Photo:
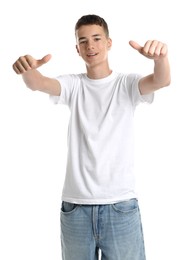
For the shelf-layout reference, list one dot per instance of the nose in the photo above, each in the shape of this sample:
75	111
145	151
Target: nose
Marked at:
90	45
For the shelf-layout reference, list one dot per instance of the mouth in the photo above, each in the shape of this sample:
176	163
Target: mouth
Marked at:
92	54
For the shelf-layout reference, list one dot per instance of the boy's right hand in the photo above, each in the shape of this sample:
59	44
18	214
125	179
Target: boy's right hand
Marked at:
27	62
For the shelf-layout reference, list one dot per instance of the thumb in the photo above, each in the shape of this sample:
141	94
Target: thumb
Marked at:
44	60
135	46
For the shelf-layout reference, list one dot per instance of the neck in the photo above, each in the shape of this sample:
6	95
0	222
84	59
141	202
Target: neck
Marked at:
98	72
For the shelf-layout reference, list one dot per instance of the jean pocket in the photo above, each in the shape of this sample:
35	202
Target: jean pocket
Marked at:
68	208
130	206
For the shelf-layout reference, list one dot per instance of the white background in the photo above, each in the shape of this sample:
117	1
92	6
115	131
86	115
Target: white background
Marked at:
33	131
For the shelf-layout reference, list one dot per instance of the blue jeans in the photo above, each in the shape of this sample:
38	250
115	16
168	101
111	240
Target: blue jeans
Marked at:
114	229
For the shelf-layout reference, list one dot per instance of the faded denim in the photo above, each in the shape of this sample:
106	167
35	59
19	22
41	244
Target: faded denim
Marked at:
115	230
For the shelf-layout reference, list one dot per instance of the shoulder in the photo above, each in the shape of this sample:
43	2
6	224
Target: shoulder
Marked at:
128	76
70	81
70	77
128	79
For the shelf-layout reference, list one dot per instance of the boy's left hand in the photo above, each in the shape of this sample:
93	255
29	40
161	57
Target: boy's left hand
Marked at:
152	49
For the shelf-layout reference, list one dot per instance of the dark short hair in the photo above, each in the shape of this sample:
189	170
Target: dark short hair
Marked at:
91	19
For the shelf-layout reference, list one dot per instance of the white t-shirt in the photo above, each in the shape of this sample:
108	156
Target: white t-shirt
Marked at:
100	165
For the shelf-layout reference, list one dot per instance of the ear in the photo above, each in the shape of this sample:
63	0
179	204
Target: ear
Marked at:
109	43
77	48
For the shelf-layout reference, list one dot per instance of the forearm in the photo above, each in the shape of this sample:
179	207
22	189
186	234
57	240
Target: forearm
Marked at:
33	79
161	76
36	81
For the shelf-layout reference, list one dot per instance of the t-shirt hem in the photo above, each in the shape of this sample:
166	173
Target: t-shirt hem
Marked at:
98	201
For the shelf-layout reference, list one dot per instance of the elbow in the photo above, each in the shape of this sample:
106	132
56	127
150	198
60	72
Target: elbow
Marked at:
32	87
167	83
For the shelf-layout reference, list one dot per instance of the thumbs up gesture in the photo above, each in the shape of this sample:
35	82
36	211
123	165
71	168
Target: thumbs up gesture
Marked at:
27	62
152	49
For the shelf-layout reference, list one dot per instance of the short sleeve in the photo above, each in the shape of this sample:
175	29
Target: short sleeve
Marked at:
68	85
136	97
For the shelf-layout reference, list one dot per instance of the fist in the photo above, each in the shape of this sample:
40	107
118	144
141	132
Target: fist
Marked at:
27	62
152	49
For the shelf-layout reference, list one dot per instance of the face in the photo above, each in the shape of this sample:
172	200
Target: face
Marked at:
92	44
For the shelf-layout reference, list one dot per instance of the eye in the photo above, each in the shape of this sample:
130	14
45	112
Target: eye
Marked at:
97	39
83	42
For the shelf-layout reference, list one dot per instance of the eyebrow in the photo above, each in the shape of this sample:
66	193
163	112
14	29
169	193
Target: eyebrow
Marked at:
94	35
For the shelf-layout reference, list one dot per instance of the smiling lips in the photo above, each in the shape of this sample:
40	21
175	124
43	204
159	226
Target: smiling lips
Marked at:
91	54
